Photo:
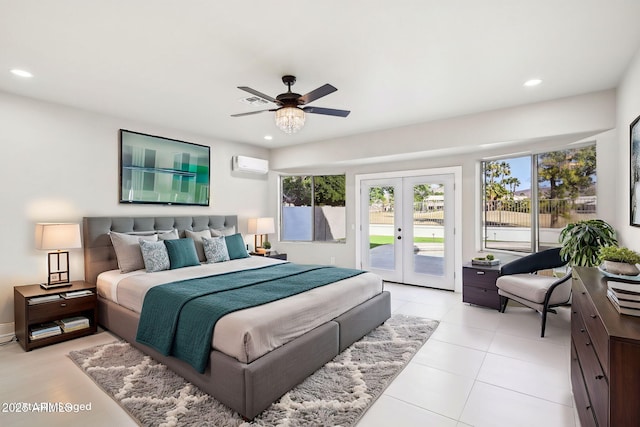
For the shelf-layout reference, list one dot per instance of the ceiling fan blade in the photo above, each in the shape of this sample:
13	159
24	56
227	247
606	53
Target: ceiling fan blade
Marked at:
249	113
317	93
260	94
326	111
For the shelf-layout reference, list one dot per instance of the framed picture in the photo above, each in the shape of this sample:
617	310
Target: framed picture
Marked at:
635	171
163	171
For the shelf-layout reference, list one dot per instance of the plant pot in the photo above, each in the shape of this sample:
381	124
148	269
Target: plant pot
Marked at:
622	268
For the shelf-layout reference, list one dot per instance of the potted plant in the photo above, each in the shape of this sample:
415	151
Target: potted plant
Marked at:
266	244
620	260
581	241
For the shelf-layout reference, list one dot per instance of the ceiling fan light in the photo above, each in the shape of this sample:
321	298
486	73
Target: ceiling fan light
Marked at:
290	119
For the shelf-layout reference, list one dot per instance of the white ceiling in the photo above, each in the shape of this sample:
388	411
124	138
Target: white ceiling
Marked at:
178	63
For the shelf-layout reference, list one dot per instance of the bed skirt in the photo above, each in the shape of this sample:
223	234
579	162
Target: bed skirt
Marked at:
249	388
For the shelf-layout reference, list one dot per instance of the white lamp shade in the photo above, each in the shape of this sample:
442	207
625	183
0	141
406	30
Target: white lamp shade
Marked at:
261	226
57	236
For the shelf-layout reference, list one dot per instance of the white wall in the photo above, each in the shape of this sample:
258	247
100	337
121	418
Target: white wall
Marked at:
628	110
60	164
453	142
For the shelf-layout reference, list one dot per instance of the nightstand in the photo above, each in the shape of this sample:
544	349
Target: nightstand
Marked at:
34	307
479	285
271	255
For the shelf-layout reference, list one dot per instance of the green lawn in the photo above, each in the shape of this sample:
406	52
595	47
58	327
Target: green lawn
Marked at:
387	240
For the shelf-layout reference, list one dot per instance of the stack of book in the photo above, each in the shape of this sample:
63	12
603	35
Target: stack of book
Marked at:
624	296
44	330
73	323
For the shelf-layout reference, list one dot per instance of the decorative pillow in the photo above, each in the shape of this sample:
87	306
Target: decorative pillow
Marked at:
197	238
182	253
155	255
168	235
236	246
215	249
128	251
228	231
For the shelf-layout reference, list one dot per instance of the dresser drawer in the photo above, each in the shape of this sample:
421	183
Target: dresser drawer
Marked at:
583	405
43	312
481	296
593	323
483	278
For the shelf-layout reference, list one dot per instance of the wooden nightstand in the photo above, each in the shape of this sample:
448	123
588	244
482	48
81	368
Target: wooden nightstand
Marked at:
271	255
29	313
479	285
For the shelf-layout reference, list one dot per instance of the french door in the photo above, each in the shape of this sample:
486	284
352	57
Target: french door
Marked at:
407	229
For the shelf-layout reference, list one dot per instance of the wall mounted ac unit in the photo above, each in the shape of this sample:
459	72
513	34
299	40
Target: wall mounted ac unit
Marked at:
250	165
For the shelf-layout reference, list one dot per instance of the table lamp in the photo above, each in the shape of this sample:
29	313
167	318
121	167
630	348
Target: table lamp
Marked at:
57	237
260	227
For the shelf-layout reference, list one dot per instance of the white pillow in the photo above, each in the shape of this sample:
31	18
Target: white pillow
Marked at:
197	238
168	235
128	251
228	231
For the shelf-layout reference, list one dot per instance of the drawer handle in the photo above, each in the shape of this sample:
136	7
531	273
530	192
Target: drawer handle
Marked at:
480	273
593	316
582	330
588	344
63	304
599	377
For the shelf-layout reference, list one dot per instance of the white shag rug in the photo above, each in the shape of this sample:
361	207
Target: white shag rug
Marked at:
338	394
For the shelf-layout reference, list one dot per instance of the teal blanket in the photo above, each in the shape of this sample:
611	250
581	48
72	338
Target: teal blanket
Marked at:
178	318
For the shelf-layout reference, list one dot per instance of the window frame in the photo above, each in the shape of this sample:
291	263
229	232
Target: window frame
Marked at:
534	197
281	177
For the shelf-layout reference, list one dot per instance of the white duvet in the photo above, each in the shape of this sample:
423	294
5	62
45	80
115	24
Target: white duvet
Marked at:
248	334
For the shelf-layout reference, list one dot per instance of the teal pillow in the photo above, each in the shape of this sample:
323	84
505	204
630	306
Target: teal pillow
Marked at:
236	246
182	253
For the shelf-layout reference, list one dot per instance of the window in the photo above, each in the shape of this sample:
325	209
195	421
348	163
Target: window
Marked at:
313	208
522	217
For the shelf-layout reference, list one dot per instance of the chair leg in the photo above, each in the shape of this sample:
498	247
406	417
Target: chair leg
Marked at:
503	303
544	322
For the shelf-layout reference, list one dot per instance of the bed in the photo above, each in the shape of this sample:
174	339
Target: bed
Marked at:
243	371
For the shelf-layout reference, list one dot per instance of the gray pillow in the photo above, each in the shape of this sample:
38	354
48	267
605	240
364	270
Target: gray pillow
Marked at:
215	249
197	238
155	256
128	251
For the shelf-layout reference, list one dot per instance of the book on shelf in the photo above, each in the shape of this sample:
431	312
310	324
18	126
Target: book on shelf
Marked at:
73	323
43	299
76	294
44	330
621	308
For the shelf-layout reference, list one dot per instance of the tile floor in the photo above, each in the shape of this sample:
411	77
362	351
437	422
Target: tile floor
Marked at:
480	368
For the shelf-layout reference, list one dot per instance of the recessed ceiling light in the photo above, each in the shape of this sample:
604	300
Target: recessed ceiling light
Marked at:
21	73
532	82
268	137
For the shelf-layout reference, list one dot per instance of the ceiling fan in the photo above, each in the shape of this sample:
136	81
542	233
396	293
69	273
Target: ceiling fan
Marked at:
290	116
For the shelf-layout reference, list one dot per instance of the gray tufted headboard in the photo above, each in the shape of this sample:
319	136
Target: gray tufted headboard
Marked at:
99	255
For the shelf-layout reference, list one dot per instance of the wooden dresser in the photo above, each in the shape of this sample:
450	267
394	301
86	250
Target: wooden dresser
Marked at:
605	355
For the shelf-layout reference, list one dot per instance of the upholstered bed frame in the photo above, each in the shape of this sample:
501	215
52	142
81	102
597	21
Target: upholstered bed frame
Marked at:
246	388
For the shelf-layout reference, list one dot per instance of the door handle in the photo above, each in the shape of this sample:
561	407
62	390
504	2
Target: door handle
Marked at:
399	237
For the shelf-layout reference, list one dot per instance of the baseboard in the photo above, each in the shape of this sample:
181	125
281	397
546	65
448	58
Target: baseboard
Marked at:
7	332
